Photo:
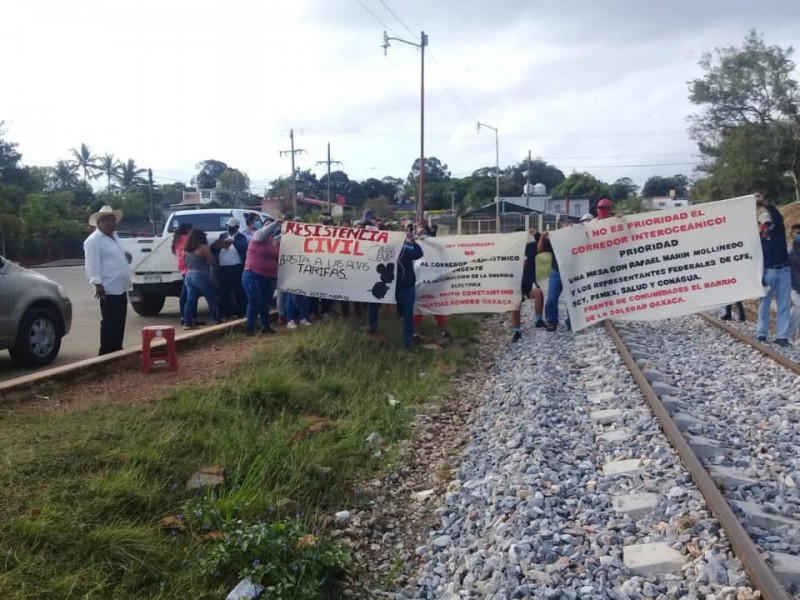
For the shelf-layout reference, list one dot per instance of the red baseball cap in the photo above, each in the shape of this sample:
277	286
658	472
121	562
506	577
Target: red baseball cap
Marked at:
604	203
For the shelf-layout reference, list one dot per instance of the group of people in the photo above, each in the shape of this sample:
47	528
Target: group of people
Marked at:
245	263
247	266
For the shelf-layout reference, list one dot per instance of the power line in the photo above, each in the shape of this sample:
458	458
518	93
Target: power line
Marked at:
374	16
398	19
450	90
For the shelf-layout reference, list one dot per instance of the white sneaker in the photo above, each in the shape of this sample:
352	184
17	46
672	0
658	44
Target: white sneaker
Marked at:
291	325
305	323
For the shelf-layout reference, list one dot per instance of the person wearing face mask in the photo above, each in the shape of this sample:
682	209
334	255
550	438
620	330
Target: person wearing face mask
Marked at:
794	266
603	209
230	250
777	277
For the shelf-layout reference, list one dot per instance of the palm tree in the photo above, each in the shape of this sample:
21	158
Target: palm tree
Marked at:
86	161
64	175
109	167
129	174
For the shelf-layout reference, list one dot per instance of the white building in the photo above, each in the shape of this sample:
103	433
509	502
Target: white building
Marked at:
665	202
534	197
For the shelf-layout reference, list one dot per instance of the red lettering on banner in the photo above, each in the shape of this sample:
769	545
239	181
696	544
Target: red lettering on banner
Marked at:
313	245
345	233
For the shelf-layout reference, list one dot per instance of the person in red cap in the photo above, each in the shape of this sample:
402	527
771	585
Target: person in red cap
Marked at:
603	209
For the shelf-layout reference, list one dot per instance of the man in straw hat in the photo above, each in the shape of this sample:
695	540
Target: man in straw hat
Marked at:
107	267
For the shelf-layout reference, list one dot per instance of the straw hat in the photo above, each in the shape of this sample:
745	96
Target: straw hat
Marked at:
104	212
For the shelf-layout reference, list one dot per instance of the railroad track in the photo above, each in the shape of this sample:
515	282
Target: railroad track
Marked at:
678	404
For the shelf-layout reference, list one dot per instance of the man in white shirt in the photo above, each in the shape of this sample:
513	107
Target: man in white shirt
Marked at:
108	270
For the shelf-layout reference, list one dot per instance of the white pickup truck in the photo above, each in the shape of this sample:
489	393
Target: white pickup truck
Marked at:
155	268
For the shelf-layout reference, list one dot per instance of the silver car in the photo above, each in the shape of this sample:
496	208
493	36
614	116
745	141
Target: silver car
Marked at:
35	313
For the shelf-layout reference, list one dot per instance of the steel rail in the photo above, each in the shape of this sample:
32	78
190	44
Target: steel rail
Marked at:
763	348
743	546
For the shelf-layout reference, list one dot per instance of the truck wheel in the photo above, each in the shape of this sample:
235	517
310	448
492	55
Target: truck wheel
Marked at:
149	306
38	339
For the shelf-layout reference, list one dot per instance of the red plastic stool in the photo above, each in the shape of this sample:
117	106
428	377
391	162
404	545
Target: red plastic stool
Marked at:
166	356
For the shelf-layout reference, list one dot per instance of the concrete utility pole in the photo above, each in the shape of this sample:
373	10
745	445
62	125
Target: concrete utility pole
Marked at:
497	170
292	152
423	41
453	202
152	205
329	162
528	181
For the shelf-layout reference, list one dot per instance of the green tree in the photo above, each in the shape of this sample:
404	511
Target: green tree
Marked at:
209	172
662	186
85	161
538	171
64	176
582	185
130	175
750	111
235	184
110	167
622	189
435	171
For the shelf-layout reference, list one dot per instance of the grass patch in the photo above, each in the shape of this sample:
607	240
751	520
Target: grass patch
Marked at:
93	503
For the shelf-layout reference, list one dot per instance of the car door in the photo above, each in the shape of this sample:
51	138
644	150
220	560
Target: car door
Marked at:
7	295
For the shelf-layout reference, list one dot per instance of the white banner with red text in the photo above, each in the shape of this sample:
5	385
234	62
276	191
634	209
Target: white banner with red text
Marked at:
660	264
470	273
339	263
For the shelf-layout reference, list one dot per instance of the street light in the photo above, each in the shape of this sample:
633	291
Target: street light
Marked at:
423	41
497	170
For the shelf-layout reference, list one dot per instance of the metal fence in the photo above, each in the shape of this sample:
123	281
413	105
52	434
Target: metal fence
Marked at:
509	222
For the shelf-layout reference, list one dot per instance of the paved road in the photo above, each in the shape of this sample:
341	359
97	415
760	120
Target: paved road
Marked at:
83	340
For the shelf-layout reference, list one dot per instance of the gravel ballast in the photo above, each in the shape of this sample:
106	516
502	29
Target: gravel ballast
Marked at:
531	512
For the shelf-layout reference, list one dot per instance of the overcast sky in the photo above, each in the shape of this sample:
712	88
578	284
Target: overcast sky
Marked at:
587	85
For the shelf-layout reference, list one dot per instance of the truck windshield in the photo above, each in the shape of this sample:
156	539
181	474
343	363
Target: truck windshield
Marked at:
204	221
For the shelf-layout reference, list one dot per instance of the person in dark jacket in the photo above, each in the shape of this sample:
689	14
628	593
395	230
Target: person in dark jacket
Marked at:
777	277
230	250
406	281
530	288
794	267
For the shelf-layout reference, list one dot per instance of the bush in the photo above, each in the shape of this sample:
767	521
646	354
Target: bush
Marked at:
282	556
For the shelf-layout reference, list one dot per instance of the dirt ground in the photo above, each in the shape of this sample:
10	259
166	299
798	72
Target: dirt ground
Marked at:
128	385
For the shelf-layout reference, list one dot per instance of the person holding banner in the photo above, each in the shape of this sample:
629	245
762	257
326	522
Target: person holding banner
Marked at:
794	266
261	275
406	282
554	284
530	289
777	276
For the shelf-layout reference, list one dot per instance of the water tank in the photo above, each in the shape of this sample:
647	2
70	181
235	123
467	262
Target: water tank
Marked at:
540	189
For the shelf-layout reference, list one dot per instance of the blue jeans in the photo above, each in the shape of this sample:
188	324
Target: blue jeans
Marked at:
198	283
295	303
779	282
554	289
259	291
405	306
182	300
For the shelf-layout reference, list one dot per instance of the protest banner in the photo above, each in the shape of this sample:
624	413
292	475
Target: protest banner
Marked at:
470	273
339	263
660	264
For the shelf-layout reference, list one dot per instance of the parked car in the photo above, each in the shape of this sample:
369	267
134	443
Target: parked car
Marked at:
155	268
35	313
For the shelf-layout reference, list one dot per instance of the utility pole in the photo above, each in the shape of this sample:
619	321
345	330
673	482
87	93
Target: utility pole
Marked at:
528	181
453	202
423	41
152	205
329	162
497	170
292	152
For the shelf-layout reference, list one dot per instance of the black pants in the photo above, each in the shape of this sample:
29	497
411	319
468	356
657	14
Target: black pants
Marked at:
114	309
739	309
232	299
